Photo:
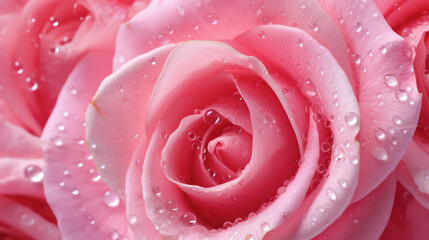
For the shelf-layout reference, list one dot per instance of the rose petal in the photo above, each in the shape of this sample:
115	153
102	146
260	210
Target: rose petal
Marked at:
117	111
405	178
27	221
223	19
388	96
83	205
408	219
397	10
366	218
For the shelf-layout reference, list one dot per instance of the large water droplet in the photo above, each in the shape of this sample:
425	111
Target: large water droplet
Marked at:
110	199
314	27
265	227
211	117
401	95
212	19
171	205
189	218
380	134
379	153
391	80
309	88
152	60
330	193
31	84
262	35
342	183
33	173
156	190
396	120
351	119
58	142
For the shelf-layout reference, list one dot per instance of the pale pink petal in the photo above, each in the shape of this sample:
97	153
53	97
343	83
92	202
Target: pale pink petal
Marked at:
84	206
182	20
139	222
116	115
387	93
409	219
26	221
366	218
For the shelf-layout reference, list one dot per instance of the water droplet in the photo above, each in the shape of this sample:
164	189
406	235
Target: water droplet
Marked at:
180	10
27	220
321	168
401	95
17	67
211	117
261	35
342	183
212	19
227	224
265	227
54	21
211	172
301	5
357	27
75	191
380	134
114	235
93	145
309	88
163	134
61	127
356	59
31	84
382	50
152	60
132	219
325	146
379	153
156	190
162	39
171	205
407	33
255	9
317	118
110	199
396	120
33	173
351	119
397	6
314	27
330	193
189	219
58	142
163	163
300	43
192	136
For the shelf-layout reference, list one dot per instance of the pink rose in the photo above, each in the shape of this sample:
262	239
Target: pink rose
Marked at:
41	42
410	19
247	131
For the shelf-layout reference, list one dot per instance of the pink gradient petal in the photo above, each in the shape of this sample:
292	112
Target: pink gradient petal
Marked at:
21	158
417	160
139	222
83	205
118	111
387	94
409	219
366	218
12	92
406	179
395	11
26	221
183	20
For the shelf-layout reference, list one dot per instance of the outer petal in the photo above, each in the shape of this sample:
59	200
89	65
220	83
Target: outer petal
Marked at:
83	205
26	221
366	218
396	11
175	21
118	112
387	94
406	179
409	219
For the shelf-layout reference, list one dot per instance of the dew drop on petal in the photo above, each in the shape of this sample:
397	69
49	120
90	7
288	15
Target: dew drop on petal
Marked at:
401	95
27	220
342	183
211	117
330	193
189	218
314	27
309	88
171	205
33	173
351	119
391	80
262	35
396	120
110	199
380	134
379	153
265	227
212	19
156	190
